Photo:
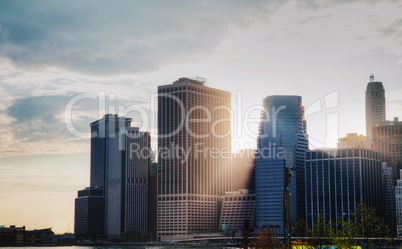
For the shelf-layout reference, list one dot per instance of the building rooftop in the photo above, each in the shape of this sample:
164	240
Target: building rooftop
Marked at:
197	80
393	122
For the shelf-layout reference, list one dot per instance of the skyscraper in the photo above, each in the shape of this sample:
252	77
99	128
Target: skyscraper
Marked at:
153	200
375	107
398	200
193	131
282	143
91	204
127	178
101	131
388	197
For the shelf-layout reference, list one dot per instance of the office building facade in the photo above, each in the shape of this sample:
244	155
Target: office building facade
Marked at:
388	196
398	201
387	138
153	200
101	131
352	140
375	107
237	207
117	200
282	143
127	176
193	119
89	214
336	181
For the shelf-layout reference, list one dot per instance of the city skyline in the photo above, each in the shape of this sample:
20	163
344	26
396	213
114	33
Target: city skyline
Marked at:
260	49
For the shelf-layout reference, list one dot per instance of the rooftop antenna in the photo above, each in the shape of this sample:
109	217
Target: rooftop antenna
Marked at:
371	77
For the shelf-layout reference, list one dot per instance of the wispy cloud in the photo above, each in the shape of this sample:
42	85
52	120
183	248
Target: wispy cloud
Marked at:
394	29
323	4
308	19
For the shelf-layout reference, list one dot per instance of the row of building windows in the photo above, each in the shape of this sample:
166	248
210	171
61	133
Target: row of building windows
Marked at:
343	154
194	89
190	198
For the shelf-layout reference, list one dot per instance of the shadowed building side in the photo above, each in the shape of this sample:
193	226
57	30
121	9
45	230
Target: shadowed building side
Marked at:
243	170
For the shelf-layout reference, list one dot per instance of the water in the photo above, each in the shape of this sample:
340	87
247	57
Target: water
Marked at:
118	247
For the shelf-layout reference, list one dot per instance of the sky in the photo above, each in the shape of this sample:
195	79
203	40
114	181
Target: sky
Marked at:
64	63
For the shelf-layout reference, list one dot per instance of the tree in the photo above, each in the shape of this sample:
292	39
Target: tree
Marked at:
360	229
319	232
369	225
266	239
301	228
301	232
344	234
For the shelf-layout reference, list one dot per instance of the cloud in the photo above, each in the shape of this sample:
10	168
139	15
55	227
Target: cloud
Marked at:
102	37
41	118
393	29
323	4
394	97
306	20
37	118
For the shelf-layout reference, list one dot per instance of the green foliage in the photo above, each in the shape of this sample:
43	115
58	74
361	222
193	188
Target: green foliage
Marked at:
321	232
345	235
369	225
359	231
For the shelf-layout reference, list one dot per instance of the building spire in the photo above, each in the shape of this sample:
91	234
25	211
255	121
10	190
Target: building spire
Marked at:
371	77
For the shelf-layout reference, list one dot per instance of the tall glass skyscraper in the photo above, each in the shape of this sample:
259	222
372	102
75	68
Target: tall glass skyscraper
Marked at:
282	143
117	201
127	188
101	131
91	204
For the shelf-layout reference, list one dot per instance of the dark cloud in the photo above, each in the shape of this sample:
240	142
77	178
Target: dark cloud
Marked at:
42	118
103	37
107	38
36	118
306	20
